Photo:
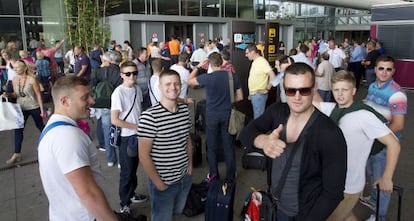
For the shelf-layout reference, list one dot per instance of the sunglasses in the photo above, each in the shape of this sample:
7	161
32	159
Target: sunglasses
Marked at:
304	91
135	73
384	68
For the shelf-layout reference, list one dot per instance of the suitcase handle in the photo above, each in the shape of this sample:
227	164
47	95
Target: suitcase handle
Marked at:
400	191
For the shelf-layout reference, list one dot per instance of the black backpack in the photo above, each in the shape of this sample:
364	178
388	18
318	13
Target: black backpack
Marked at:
102	92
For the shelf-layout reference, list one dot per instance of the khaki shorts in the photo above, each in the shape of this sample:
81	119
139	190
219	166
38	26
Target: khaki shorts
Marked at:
344	209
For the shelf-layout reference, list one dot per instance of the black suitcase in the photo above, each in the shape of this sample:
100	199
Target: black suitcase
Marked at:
400	192
200	115
197	155
220	200
197	146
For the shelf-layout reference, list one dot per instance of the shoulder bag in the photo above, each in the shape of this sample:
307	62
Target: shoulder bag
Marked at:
115	131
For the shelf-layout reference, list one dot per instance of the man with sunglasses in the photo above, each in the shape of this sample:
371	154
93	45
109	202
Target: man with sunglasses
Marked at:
125	112
389	99
314	184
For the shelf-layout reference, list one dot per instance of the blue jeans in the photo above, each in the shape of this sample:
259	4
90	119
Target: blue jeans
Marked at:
128	177
100	133
258	103
375	169
370	76
18	133
217	125
110	151
165	204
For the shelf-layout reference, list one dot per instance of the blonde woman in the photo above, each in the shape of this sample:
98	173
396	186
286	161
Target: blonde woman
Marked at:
26	90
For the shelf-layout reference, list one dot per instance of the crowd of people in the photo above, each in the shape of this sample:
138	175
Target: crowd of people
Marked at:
149	102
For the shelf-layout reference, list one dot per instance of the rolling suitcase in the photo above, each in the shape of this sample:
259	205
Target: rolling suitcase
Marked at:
400	192
197	147
220	200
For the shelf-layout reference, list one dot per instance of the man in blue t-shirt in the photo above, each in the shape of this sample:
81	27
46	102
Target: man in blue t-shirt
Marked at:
82	64
218	108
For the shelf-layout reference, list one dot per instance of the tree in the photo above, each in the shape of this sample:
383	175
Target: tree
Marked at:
84	23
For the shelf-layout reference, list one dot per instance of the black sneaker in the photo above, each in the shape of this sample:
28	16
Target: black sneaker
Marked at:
139	198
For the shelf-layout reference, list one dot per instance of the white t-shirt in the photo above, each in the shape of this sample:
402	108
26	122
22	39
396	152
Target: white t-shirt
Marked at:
198	55
71	57
10	72
327	70
122	99
184	74
62	150
155	93
360	128
336	57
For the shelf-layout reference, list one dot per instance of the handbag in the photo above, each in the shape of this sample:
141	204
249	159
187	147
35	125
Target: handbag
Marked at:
11	115
237	118
115	131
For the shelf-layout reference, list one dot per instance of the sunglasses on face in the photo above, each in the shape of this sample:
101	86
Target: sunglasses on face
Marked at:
135	73
385	68
304	91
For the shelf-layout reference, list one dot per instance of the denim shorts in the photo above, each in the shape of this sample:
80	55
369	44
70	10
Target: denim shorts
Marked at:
165	204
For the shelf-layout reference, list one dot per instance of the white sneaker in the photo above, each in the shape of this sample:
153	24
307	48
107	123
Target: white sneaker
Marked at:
110	164
125	209
119	166
367	201
371	218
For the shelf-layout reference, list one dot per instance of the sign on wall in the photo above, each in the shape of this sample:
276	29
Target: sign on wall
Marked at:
272	41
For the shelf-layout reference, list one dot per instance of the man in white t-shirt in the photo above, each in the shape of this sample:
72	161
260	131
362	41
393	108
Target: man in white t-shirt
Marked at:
68	162
125	111
360	125
180	67
336	55
155	93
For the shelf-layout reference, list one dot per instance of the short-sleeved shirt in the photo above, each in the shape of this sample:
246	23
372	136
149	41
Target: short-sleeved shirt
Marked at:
388	100
184	74
169	132
360	128
336	57
217	90
81	61
122	99
258	77
155	93
372	57
327	70
63	150
42	67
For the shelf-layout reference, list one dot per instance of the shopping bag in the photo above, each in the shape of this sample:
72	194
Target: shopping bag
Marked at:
11	116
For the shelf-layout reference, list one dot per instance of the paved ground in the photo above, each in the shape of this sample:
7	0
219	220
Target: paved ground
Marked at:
22	197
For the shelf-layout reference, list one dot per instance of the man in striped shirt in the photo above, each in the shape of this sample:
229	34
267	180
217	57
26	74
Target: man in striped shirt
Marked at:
165	149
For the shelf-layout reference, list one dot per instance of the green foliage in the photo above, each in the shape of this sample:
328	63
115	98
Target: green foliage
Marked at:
84	23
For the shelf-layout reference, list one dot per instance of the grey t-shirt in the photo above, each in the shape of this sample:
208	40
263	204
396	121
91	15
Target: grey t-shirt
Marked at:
289	201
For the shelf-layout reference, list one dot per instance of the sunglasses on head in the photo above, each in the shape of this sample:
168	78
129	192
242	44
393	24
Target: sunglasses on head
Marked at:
135	73
385	68
304	91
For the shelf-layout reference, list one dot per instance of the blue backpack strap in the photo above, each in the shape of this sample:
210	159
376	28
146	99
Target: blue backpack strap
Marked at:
51	126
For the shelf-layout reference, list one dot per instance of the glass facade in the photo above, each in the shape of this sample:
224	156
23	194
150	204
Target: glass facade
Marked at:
23	20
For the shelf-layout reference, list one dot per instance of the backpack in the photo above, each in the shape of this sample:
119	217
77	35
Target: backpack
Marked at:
102	92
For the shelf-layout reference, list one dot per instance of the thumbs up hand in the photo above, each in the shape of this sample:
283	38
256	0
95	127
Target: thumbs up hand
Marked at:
273	146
